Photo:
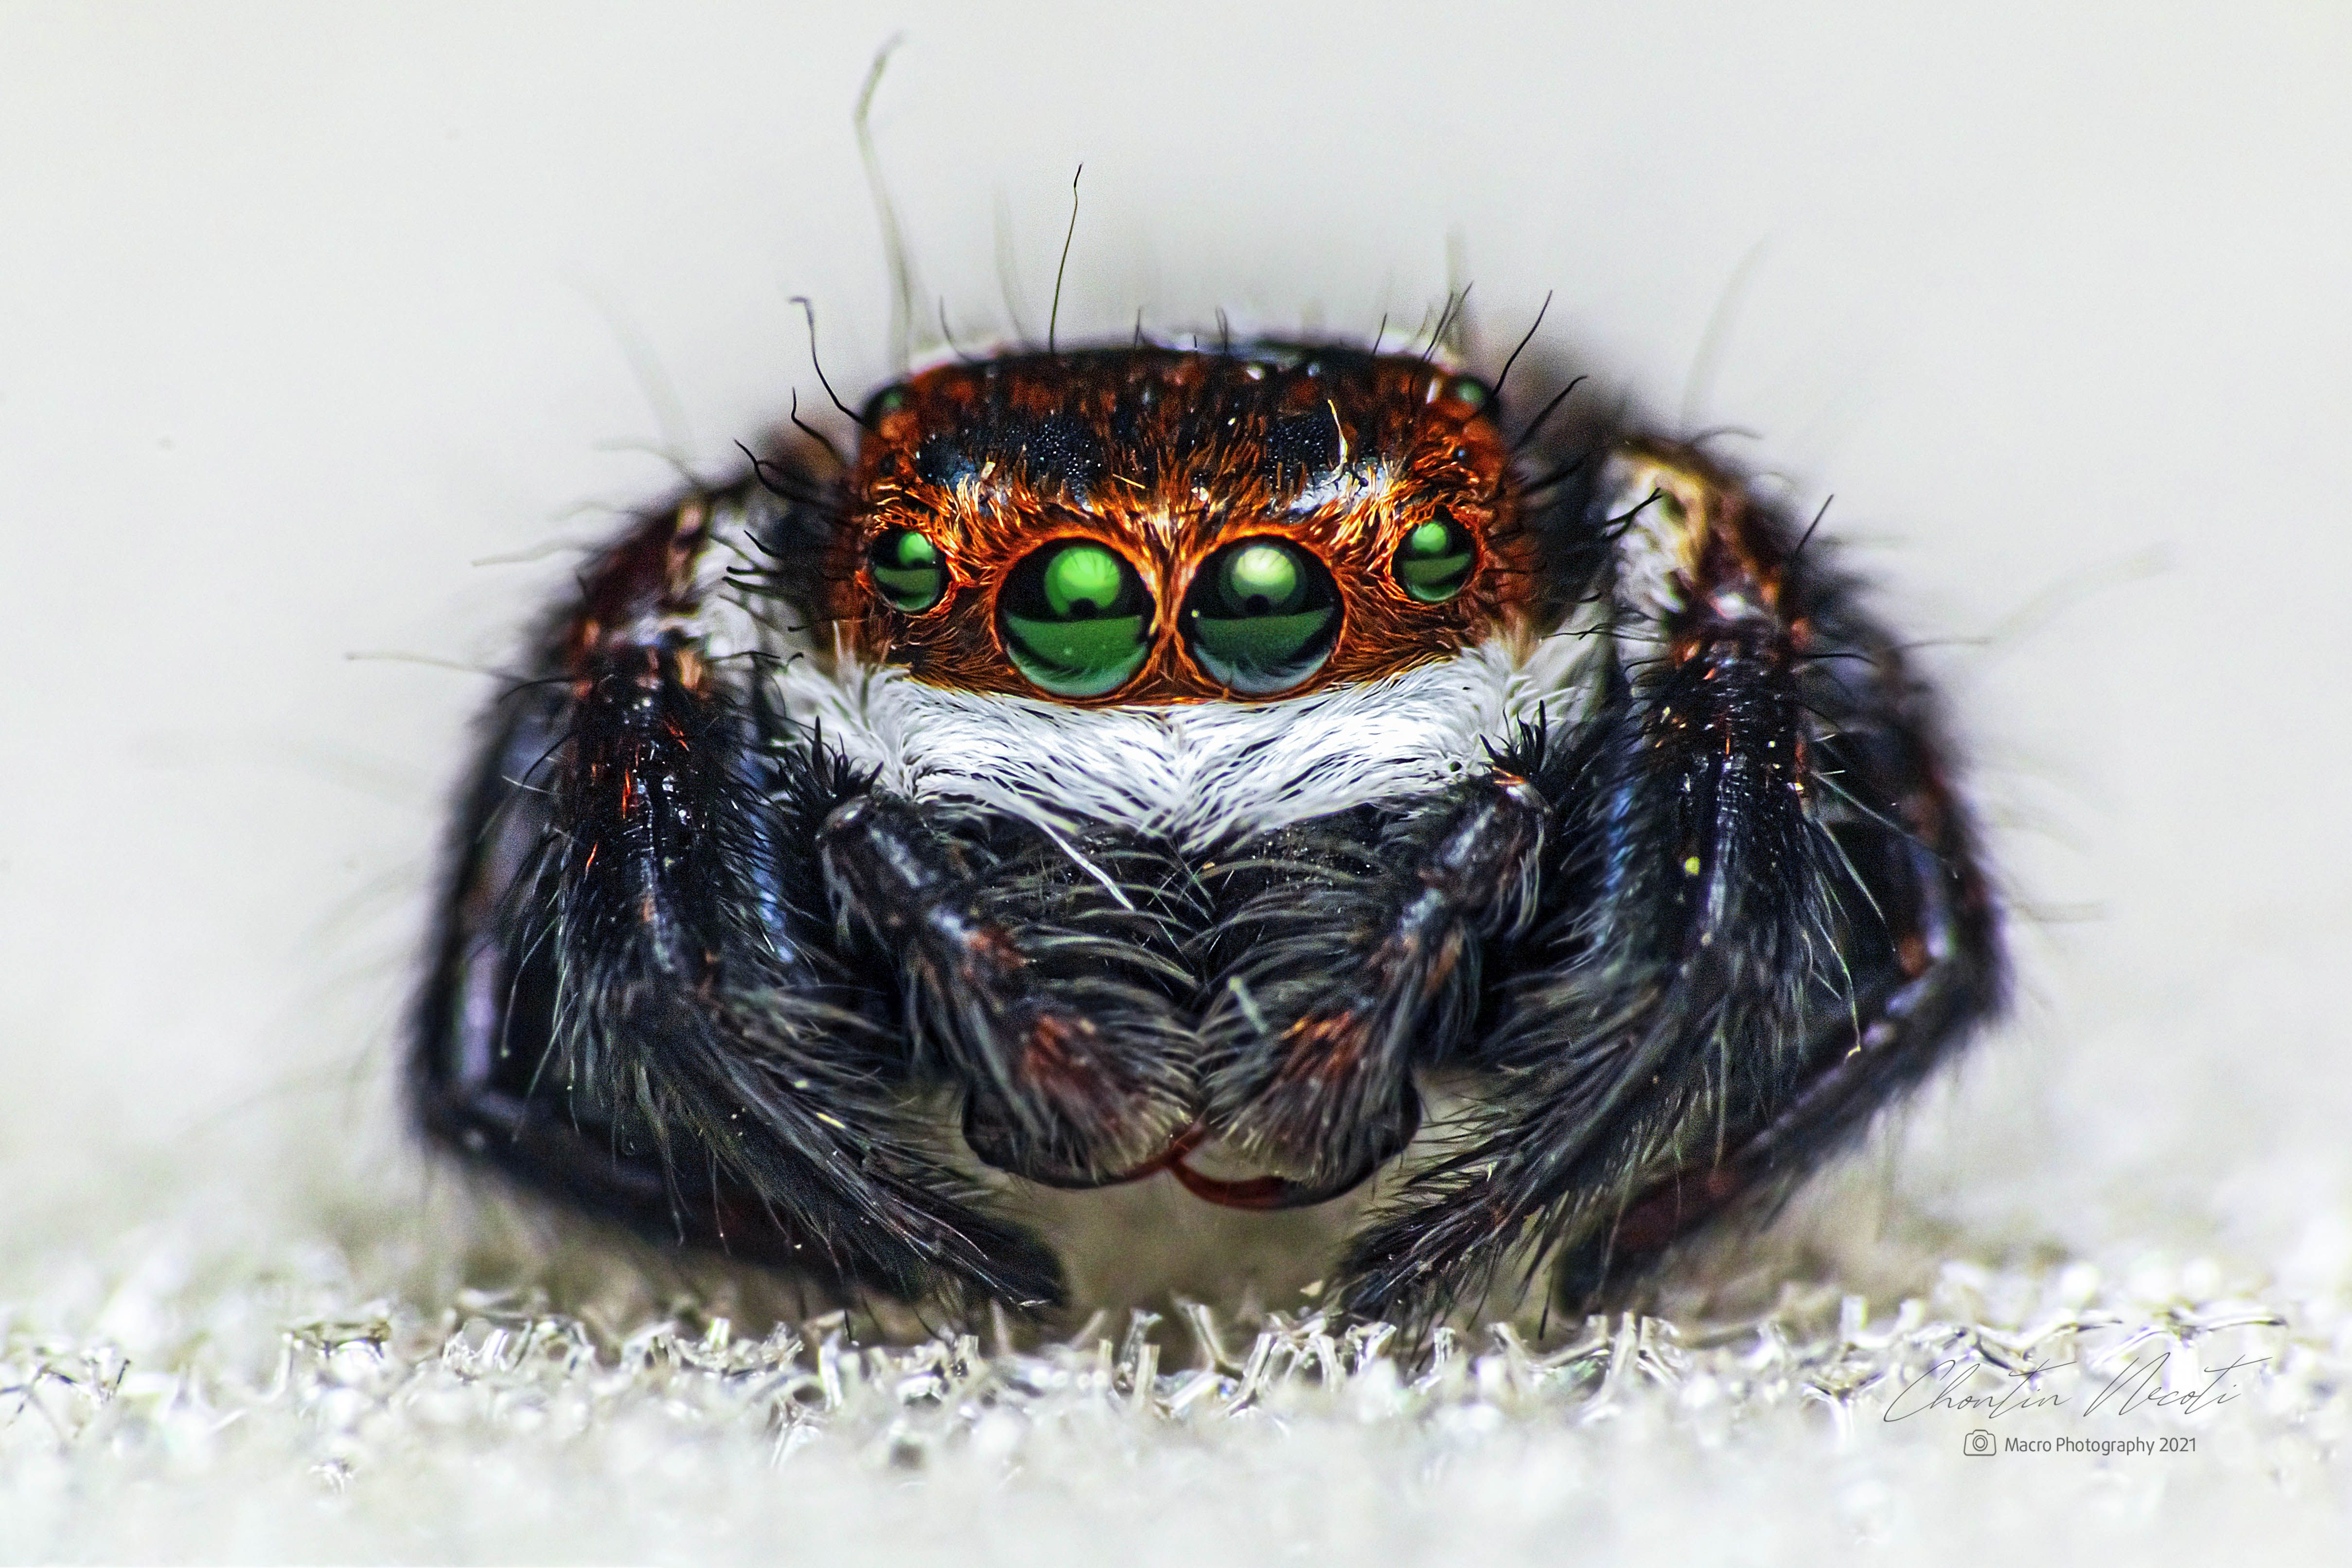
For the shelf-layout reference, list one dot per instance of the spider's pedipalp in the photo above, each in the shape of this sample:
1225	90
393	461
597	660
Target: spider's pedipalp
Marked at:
1075	1066
1350	965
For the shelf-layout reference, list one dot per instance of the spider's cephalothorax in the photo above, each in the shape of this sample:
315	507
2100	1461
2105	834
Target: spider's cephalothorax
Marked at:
1170	760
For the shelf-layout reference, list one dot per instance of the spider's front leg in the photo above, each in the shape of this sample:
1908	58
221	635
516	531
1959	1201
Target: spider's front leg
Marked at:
633	1002
1764	916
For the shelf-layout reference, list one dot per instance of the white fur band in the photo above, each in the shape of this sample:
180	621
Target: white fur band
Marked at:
1199	773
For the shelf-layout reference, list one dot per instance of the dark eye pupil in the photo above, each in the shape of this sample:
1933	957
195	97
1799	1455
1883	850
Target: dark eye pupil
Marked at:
1435	560
1075	619
1263	616
907	571
1083	582
1260	580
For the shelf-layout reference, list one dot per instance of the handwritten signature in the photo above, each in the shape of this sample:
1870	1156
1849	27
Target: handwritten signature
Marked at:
2139	1383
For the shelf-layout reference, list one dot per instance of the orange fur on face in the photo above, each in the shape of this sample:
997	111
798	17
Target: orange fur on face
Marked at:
1166	457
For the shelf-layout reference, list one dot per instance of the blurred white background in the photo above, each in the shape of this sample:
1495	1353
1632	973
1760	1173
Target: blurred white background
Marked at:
306	313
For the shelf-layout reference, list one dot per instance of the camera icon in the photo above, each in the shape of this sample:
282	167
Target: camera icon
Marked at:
1977	1445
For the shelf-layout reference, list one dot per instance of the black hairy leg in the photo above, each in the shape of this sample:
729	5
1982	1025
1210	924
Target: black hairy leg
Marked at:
1355	948
1761	914
1052	996
633	1004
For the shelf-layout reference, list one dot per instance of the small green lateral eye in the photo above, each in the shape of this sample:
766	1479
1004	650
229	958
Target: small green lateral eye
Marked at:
1435	560
1263	615
907	569
1077	620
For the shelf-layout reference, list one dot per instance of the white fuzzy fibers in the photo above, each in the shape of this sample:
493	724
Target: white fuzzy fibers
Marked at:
1198	773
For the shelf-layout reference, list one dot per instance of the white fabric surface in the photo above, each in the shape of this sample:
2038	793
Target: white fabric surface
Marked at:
307	312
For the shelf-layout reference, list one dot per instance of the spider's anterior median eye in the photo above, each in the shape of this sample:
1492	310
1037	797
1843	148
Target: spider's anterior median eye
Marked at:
906	570
1262	616
1435	560
1076	618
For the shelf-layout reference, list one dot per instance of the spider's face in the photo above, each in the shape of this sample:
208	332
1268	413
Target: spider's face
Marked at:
1149	527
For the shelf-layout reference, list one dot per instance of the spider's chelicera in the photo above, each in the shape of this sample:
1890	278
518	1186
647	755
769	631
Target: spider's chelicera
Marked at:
1173	763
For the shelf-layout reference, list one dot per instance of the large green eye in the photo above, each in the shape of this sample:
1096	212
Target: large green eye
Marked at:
1435	560
906	570
1076	618
1262	616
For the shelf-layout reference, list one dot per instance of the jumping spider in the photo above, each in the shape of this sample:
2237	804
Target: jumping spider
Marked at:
1159	763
